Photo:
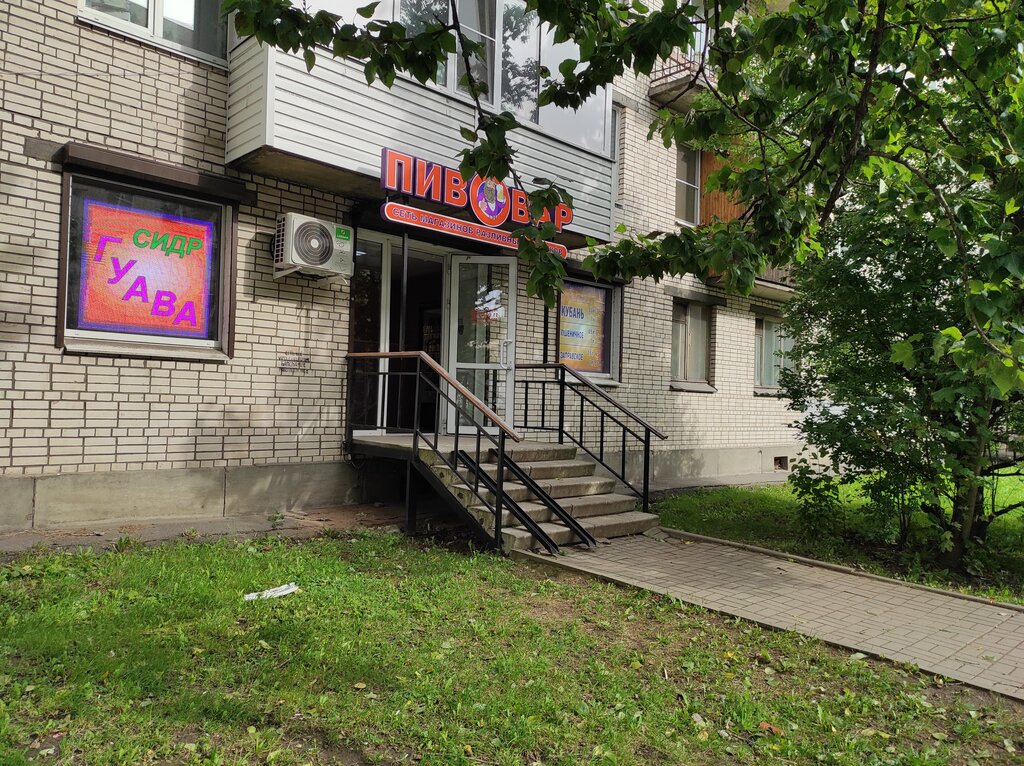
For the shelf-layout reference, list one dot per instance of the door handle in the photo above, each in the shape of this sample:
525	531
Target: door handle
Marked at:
504	356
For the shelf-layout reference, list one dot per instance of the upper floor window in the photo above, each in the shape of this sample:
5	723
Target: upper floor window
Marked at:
771	352
688	186
691	323
616	131
700	33
514	48
190	26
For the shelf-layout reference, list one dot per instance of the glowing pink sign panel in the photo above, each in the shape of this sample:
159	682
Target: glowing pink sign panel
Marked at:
145	272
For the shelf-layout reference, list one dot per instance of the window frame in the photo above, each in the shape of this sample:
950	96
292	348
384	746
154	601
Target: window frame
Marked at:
616	126
493	102
613	330
696	187
74	340
685	383
779	363
150	34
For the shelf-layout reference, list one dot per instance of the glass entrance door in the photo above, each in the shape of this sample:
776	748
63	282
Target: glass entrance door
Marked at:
482	332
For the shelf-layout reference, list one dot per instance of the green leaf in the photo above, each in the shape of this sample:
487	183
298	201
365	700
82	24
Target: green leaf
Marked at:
903	354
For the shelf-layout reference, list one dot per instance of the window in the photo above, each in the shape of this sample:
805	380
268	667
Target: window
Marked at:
688	186
144	271
196	26
587	328
690	342
616	150
520	61
700	34
479	25
515	47
771	352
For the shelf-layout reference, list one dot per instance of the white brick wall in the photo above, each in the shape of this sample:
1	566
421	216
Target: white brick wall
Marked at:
65	81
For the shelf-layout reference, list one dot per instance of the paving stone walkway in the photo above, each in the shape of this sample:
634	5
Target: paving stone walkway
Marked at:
979	644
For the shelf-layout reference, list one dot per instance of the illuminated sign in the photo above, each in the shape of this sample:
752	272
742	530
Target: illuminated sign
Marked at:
145	272
492	202
582	327
456	227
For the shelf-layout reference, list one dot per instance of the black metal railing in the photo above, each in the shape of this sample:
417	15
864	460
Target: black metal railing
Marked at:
383	382
557	399
683	62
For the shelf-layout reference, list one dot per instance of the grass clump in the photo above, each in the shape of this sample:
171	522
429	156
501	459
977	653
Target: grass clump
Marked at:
396	652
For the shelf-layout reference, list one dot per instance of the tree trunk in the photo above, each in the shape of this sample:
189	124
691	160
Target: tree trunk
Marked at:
967	502
965	507
979	531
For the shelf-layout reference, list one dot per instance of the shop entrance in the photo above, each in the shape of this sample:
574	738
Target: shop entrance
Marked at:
482	346
457	308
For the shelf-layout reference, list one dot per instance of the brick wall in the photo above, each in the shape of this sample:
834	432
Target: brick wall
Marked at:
60	413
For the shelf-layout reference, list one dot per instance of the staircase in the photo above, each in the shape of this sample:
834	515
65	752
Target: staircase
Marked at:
516	494
592	500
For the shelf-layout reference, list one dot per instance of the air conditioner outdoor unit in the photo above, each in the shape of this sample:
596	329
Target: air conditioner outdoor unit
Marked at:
311	246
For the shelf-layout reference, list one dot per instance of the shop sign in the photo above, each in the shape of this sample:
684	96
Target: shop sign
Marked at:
144	272
582	327
492	202
456	227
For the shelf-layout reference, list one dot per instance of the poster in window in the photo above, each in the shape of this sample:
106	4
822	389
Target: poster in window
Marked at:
583	328
143	264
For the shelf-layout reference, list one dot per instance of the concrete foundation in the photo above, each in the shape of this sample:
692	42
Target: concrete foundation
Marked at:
16	496
687	467
271	489
80	499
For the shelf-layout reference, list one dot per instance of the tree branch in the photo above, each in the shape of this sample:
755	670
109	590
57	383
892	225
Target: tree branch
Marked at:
859	114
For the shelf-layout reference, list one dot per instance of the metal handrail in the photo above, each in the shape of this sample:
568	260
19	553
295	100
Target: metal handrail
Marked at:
476	476
583	388
586	383
468	395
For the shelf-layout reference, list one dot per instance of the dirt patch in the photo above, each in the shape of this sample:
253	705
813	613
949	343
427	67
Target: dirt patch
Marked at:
368	516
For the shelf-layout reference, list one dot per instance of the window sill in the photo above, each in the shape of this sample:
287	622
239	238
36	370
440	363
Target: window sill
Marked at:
603	382
692	387
143	350
102	21
772	392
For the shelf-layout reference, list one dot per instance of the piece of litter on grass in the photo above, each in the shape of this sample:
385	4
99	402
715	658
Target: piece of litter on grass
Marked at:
280	590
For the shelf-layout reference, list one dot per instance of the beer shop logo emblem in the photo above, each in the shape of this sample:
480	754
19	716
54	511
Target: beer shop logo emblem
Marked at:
488	197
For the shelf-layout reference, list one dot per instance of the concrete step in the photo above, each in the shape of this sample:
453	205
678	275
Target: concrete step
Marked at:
530	452
573	486
577	507
551	469
534	452
612	525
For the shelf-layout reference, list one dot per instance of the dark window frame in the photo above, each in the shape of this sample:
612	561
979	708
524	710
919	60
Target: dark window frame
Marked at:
117	168
612	328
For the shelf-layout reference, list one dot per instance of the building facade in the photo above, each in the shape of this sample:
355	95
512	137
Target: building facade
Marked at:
157	363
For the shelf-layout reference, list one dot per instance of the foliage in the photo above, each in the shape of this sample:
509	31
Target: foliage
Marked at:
880	401
397	653
773	517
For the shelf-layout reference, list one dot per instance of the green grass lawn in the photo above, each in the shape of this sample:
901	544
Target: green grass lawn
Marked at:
769	517
396	652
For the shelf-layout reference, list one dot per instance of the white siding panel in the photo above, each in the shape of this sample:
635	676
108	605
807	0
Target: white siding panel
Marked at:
330	115
247	100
